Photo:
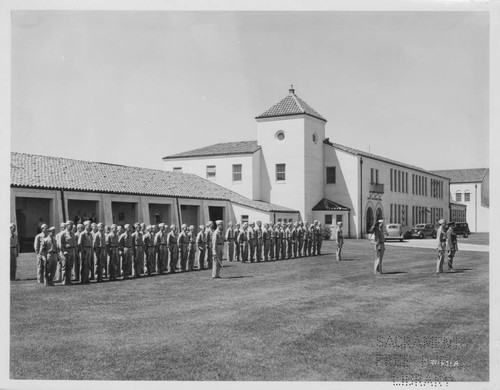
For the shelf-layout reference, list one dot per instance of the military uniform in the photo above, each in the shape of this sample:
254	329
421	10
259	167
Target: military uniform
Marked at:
85	244
379	241
101	254
201	243
258	243
300	240
78	256
138	240
277	242
288	240
68	254
49	251
284	243
149	247
191	249
40	261
320	240
218	247
272	242
295	241
441	247
236	234
265	240
208	235
230	242
451	246
243	240
314	234
126	245
252	243
182	244
173	251
339	239
161	250
112	242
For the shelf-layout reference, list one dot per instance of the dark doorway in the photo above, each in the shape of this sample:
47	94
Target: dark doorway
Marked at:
215	213
189	215
124	212
84	208
31	213
380	214
159	213
369	219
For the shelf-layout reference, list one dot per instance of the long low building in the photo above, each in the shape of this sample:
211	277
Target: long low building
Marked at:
53	189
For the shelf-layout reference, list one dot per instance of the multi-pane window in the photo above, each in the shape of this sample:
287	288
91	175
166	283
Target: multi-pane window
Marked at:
330	175
244	218
280	172
237	169
328	219
391	182
210	171
466	196
459	196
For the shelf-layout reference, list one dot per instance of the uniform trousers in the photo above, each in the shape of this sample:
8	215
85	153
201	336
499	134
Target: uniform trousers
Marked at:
173	257
92	264
40	268
266	250
201	257
183	255
217	261
190	256
77	265
314	248
301	245
289	248
440	260
230	249
51	267
295	247
258	249
272	248
209	259
244	251
320	243
252	244
13	263
284	246
139	260
310	244
277	246
305	247
86	254
339	251
66	266
451	256
114	263
127	262
237	250
379	250
150	259
162	259
101	263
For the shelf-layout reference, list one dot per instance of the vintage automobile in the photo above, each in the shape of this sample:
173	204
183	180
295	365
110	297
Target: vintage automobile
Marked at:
394	231
461	229
422	230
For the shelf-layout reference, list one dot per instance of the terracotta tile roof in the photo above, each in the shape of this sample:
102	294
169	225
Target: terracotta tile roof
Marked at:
37	171
475	175
239	147
291	105
329	205
375	157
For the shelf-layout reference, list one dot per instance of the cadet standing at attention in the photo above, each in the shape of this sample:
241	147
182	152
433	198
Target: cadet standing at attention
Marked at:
339	239
300	237
451	245
252	241
78	257
113	253
68	252
49	251
201	243
218	247
138	240
243	240
208	235
277	241
441	245
230	241
265	241
237	248
191	239
59	276
149	247
272	241
288	240
100	251
320	238
161	248
182	244
126	245
379	235
295	239
14	251
173	249
258	241
40	262
85	245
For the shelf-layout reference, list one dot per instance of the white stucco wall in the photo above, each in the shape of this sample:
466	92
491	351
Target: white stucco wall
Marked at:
478	221
289	151
224	171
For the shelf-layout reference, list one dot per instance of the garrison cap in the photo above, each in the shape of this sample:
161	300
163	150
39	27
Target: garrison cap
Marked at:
127	226
441	221
43	226
161	225
218	222
339	223
52	229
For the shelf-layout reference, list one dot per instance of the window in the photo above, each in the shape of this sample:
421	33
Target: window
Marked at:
210	171
280	172
280	135
315	138
466	196
177	169
371	175
376	176
459	196
237	172
391	179
340	218
328	219
330	175
244	218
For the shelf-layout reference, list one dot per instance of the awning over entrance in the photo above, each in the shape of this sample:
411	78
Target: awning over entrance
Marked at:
329	205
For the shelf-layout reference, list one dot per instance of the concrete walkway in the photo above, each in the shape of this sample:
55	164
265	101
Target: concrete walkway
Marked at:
432	244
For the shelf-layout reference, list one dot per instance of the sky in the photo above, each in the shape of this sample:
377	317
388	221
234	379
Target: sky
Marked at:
131	87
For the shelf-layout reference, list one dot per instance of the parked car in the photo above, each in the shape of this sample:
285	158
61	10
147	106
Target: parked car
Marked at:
422	230
461	229
395	232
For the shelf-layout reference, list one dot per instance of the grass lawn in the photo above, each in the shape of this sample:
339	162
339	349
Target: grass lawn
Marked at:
299	319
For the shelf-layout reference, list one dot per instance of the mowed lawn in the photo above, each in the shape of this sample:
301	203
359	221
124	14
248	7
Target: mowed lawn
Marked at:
299	319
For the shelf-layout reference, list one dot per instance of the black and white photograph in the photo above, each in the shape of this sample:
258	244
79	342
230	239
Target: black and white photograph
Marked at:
283	195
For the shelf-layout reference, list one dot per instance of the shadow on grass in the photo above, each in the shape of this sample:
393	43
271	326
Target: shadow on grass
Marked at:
394	273
236	277
461	270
